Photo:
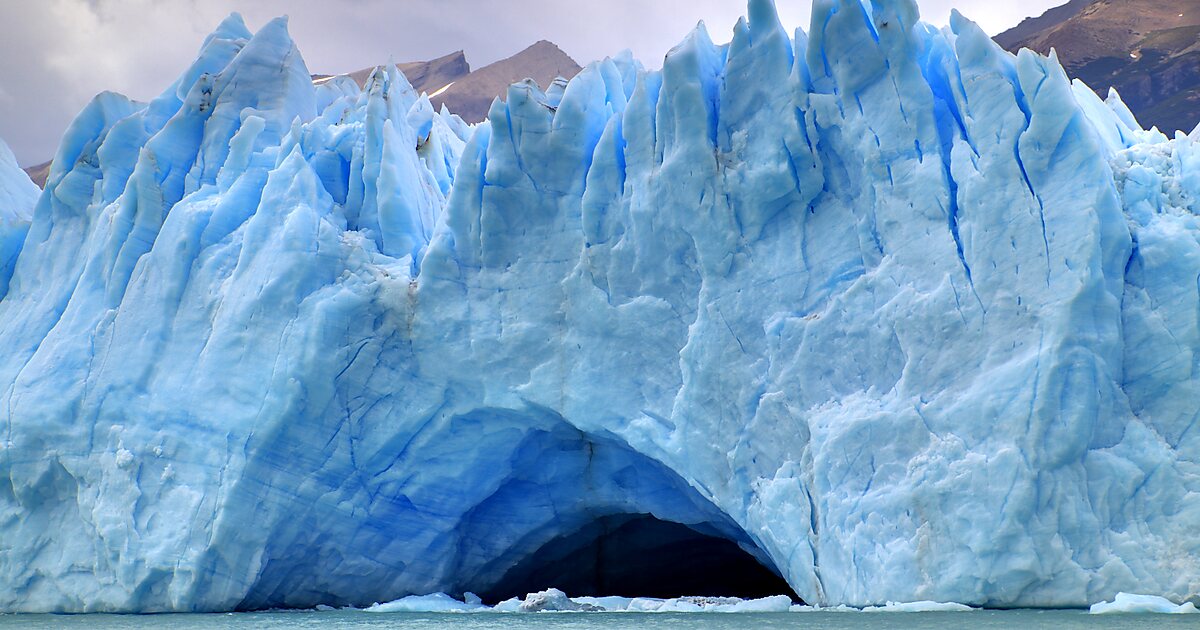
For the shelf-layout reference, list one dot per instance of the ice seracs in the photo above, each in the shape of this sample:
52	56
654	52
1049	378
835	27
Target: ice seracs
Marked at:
899	314
18	194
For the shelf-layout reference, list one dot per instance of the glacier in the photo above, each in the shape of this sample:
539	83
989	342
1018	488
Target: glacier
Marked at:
900	314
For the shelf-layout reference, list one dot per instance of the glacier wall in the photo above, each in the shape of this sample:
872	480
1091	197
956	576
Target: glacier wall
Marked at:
18	194
904	315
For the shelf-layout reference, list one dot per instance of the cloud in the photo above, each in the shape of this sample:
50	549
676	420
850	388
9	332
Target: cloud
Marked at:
66	51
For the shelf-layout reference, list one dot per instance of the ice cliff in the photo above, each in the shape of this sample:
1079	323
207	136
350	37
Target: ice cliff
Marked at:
903	315
17	195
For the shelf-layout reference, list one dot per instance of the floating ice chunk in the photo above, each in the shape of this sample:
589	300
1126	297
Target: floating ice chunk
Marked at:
777	603
554	600
558	601
611	603
437	602
805	608
678	605
925	606
510	605
1133	603
909	607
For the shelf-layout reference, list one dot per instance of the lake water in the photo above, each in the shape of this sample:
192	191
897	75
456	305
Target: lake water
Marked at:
358	620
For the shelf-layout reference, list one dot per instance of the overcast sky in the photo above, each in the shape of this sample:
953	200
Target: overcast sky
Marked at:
56	54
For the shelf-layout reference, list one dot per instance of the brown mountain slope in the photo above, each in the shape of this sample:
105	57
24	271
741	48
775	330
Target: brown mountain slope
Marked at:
38	173
472	96
425	76
449	80
1149	50
1031	27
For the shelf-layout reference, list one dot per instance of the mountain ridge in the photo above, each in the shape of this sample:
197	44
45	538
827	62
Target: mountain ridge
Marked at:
450	81
424	76
1148	50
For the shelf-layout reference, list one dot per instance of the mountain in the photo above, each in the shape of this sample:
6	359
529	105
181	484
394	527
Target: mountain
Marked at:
472	95
1149	50
1033	26
450	81
39	173
884	310
425	76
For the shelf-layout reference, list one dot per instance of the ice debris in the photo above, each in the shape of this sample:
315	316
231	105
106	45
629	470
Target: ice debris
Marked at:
554	600
925	606
436	602
1131	603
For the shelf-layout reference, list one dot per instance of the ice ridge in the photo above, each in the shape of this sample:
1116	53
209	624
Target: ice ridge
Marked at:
18	194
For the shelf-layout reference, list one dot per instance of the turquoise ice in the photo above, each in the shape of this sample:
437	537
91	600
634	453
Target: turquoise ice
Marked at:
18	194
904	315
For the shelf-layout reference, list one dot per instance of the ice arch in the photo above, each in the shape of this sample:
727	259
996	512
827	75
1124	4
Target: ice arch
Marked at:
541	499
559	494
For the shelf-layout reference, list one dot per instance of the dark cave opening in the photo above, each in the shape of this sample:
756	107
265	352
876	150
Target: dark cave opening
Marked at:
638	555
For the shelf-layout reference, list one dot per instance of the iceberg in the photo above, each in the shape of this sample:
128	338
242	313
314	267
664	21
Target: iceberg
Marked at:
895	313
434	603
1131	603
921	607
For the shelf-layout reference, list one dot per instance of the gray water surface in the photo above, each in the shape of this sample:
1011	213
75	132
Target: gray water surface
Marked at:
358	620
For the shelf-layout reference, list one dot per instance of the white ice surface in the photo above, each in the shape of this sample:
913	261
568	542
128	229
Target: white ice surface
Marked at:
437	602
554	600
1131	603
919	607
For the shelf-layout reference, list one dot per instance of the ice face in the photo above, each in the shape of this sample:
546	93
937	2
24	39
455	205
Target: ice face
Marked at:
18	194
904	316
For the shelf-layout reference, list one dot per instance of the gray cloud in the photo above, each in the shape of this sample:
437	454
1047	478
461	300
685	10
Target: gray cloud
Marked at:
57	54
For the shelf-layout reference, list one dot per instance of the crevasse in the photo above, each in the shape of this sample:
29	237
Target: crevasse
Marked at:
903	315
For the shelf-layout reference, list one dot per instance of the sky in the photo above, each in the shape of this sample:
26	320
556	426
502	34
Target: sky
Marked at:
55	55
